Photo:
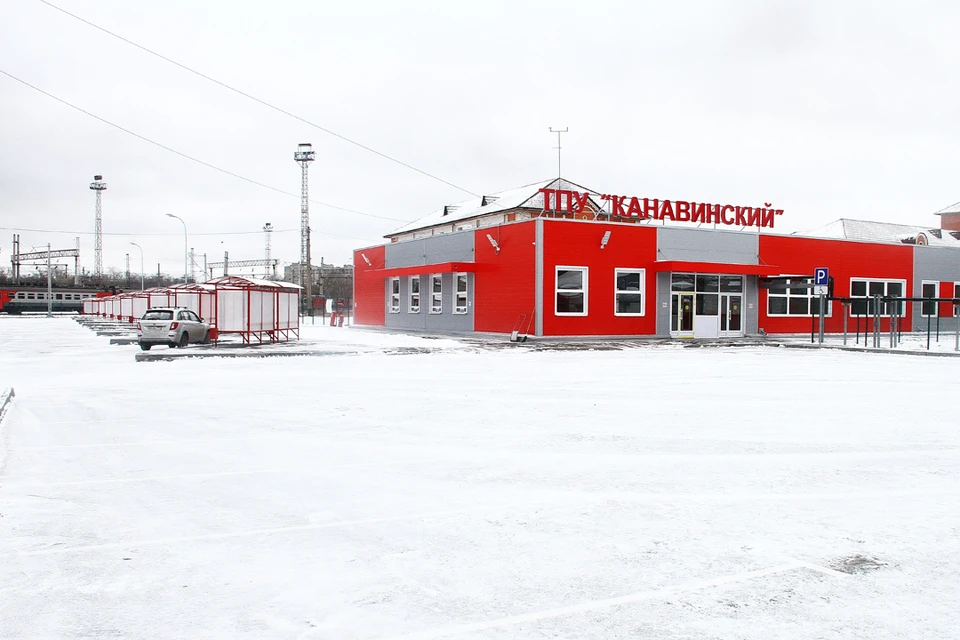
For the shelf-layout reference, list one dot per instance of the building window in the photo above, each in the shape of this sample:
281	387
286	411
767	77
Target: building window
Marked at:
628	292
869	288
436	294
414	294
782	300
460	305
929	290
394	295
571	297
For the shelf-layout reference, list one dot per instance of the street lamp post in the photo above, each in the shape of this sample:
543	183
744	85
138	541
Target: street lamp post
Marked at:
185	245
141	263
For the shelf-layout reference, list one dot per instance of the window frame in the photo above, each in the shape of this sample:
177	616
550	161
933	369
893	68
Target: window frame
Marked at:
457	309
395	297
886	282
642	292
787	295
436	296
936	294
584	290
411	308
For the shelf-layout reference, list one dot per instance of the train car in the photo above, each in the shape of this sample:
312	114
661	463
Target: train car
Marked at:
17	300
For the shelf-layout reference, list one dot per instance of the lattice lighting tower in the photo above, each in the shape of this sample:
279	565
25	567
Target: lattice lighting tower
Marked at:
304	156
267	233
98	186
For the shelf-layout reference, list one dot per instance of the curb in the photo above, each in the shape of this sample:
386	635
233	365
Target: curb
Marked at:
173	354
880	350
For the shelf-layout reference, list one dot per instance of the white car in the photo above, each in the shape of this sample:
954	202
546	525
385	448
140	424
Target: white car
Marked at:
172	326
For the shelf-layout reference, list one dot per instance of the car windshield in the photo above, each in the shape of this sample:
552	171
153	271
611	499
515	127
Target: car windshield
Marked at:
158	314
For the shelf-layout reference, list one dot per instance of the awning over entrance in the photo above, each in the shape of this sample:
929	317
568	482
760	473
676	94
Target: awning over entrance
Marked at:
716	267
439	267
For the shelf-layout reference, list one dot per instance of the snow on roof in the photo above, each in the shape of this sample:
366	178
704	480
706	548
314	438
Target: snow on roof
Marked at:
954	208
868	231
242	281
193	286
525	197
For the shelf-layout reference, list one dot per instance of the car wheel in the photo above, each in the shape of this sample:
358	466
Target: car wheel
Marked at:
206	338
184	340
145	347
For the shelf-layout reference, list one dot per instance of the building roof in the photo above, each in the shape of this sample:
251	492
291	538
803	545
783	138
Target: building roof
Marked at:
954	208
868	231
525	197
254	283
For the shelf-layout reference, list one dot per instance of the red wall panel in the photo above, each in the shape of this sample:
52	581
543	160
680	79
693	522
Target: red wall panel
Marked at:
577	244
946	291
505	282
369	288
845	260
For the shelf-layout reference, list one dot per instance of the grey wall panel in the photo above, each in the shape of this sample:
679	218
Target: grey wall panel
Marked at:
936	264
663	298
707	245
444	322
751	311
449	247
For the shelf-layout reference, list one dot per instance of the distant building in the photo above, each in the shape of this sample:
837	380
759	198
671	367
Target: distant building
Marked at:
329	281
291	272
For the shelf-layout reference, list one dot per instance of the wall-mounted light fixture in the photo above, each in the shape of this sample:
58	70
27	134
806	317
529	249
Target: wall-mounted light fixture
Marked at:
605	240
493	242
366	259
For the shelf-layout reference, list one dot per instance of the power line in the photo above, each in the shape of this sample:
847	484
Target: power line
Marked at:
144	234
184	155
258	100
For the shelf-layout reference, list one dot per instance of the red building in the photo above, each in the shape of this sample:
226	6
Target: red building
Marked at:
556	259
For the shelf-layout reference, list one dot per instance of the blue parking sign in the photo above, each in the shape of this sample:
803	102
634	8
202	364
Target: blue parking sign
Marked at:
821	276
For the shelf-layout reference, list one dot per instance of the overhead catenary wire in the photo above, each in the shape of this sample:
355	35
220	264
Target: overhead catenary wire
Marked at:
146	234
187	156
259	100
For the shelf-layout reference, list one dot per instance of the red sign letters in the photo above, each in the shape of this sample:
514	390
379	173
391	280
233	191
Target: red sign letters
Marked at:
566	201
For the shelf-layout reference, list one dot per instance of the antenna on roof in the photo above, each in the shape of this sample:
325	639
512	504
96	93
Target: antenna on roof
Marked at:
558	132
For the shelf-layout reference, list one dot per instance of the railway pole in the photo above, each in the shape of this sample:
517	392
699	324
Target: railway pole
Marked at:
49	284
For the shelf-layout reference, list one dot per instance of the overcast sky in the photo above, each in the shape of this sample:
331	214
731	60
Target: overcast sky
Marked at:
825	109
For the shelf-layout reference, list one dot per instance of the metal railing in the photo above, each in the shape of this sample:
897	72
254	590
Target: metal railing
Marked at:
876	308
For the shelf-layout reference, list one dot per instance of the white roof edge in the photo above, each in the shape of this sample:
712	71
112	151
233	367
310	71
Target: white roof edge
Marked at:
515	198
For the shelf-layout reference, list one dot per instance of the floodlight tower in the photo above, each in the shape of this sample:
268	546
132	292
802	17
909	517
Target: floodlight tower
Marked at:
304	156
98	186
267	232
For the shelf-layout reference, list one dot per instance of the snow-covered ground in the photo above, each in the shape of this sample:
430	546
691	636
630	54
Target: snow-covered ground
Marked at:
428	489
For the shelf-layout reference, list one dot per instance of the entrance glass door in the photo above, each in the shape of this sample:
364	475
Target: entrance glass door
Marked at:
731	321
681	315
706	305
